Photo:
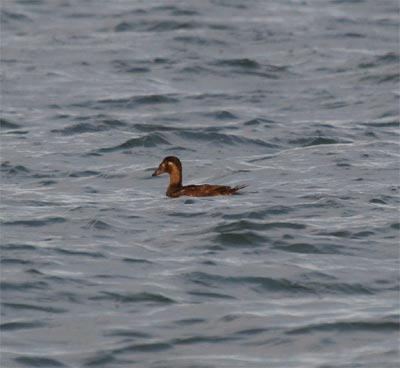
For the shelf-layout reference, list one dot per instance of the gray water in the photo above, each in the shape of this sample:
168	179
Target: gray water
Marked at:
298	99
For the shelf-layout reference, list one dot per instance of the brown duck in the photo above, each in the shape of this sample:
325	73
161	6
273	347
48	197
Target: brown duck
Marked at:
172	165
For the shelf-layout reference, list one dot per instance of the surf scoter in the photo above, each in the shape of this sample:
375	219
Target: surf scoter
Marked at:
172	165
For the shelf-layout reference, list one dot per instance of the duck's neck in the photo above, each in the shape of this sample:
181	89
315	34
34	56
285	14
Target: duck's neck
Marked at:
175	178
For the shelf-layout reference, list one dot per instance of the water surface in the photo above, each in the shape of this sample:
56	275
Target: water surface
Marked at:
296	99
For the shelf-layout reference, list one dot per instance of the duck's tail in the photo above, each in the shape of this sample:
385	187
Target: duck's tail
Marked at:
239	187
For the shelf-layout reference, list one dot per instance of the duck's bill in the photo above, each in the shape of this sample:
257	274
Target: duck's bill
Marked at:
157	172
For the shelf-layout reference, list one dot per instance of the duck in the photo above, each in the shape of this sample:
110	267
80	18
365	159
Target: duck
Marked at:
173	166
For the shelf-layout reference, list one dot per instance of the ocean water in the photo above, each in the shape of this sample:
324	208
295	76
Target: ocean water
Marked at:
297	99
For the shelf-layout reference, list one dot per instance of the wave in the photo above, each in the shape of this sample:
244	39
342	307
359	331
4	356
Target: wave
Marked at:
202	340
209	296
131	67
36	222
241	63
7	16
79	253
174	10
11	170
375	325
317	141
7	124
20	325
242	238
201	41
37	361
46	183
100	360
379	61
23	286
382	78
307	248
32	307
258	121
251	225
14	261
226	139
150	128
144	348
258	283
19	247
98	225
384	124
100	126
154	26
252	67
136	260
221	115
148	140
259	214
128	102
141	297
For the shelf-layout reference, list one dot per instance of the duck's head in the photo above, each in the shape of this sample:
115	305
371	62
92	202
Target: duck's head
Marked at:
170	164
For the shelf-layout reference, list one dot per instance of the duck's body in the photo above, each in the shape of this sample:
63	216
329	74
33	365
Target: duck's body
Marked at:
172	165
203	190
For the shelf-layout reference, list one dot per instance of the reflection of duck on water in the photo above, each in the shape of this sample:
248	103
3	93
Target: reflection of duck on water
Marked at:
172	165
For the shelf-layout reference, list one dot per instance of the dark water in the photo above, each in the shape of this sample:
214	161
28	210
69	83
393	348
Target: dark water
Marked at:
298	99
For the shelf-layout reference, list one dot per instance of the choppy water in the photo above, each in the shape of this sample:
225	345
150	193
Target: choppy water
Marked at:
296	99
